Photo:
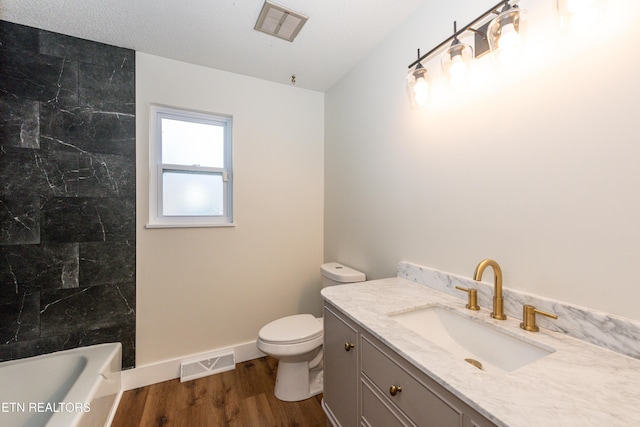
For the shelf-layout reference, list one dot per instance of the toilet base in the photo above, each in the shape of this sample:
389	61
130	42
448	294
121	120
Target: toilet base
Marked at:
295	381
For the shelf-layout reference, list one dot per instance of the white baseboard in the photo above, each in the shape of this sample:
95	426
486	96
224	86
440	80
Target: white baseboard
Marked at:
145	375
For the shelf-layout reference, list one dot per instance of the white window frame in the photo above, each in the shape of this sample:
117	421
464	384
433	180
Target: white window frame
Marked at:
156	217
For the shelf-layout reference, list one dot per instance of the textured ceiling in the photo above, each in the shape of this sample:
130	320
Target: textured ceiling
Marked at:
219	33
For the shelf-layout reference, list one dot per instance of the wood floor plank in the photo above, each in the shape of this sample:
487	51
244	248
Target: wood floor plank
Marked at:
256	411
159	409
242	397
232	397
203	414
131	407
252	378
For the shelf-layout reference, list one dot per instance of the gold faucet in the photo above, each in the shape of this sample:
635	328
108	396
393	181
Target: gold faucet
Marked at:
473	298
529	318
498	309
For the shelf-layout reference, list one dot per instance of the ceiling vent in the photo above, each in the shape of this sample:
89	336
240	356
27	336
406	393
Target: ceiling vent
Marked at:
279	21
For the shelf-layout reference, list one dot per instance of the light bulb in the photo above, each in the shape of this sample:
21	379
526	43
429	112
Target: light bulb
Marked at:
457	72
509	38
420	91
458	68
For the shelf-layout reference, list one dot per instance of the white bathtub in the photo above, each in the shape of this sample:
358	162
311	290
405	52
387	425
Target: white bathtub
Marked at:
78	387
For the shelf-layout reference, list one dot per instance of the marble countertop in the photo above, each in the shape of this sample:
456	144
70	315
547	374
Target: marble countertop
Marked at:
579	384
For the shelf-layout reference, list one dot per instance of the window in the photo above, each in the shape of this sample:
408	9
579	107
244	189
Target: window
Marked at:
191	180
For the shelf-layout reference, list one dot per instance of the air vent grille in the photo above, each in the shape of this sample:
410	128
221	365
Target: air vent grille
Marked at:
279	21
207	365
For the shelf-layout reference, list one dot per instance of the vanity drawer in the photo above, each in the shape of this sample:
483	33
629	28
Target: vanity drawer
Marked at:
376	411
423	406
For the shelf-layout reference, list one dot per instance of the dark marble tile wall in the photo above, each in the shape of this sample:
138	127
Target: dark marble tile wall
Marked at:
67	193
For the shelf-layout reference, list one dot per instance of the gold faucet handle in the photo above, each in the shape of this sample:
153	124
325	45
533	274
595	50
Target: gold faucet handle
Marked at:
529	318
473	298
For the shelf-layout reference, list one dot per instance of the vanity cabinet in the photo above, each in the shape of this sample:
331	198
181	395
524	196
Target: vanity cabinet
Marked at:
341	375
372	386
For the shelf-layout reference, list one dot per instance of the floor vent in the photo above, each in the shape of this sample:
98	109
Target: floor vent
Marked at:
207	365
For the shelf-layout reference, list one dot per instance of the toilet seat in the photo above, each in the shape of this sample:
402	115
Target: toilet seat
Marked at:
294	329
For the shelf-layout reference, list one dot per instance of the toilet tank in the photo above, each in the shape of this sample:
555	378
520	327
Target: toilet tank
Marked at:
334	273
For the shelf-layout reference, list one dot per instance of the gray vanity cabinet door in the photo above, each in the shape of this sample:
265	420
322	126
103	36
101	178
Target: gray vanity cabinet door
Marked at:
341	373
422	401
376	412
417	401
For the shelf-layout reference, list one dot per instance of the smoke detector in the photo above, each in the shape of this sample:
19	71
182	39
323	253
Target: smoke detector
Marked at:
279	21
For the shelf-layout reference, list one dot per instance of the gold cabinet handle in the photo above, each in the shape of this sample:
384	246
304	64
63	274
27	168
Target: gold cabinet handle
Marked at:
395	389
529	318
473	297
348	346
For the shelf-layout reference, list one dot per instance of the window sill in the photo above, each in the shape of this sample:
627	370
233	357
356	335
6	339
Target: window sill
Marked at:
194	225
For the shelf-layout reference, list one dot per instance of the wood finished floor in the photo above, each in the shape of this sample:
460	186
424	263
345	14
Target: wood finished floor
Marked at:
239	398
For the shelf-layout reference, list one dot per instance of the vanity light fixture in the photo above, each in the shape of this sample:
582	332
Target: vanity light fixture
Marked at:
418	85
505	33
456	61
498	30
580	15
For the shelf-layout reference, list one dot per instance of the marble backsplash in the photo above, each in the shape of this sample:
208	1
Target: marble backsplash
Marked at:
605	330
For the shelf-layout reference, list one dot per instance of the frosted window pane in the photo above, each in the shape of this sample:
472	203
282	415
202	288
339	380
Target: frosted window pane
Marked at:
192	194
189	143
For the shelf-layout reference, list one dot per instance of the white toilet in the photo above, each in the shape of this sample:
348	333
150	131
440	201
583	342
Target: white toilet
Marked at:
296	341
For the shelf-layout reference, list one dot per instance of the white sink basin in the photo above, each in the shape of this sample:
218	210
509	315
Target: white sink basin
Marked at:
471	339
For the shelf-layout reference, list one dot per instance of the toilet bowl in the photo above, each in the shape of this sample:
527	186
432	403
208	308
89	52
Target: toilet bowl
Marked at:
296	341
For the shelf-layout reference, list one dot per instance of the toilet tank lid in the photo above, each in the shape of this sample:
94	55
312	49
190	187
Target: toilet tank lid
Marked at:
342	273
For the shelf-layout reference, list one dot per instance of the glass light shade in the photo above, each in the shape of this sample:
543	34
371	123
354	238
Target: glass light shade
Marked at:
418	86
580	15
505	34
456	63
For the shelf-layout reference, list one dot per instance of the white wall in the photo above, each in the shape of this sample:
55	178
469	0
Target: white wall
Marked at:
208	288
537	167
